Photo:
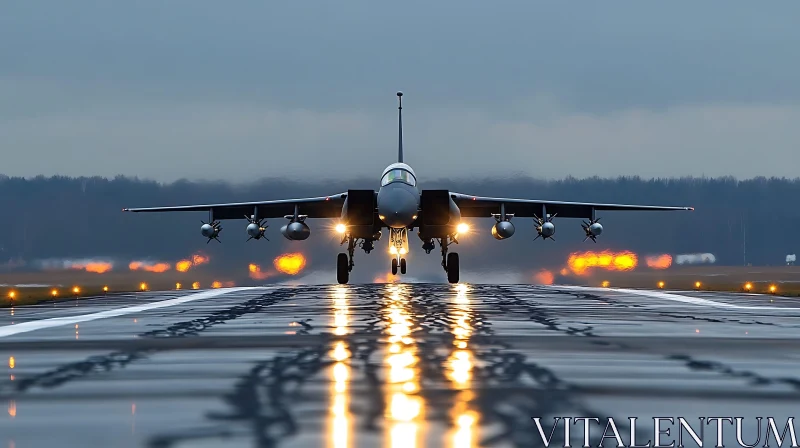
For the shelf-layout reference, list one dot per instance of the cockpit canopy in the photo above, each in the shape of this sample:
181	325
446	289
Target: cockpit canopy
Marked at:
398	175
398	172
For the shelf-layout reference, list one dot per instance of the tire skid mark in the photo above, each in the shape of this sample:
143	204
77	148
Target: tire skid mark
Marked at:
120	359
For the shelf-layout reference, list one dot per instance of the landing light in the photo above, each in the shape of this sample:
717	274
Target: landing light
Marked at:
462	228
393	250
341	228
403	251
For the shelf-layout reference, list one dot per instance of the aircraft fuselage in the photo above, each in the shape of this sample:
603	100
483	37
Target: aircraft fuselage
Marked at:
398	196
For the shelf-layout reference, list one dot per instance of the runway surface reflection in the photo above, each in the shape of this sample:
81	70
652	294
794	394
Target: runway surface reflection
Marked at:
396	365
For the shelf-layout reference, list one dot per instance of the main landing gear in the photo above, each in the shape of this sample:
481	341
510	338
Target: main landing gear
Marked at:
344	261
450	261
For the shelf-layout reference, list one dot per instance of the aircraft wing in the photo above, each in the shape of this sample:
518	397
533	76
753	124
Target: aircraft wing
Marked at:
319	207
483	207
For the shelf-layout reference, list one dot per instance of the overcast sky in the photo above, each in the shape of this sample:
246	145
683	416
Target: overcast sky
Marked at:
204	89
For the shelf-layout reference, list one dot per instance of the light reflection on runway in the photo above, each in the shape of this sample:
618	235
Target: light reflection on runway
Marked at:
388	365
459	372
405	413
340	423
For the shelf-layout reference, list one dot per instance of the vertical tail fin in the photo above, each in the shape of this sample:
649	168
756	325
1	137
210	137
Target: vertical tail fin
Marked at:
400	127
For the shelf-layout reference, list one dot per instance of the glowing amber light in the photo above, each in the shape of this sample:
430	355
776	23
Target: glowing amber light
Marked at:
773	288
697	284
54	292
290	264
105	288
76	290
183	265
462	228
606	283
177	286
196	285
216	285
663	261
12	362
97	268
660	284
748	286
341	228
12	294
544	277
581	262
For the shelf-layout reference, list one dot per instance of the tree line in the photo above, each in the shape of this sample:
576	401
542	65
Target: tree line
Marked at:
752	221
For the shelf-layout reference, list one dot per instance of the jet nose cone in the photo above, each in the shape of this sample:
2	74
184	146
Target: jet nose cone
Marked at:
397	207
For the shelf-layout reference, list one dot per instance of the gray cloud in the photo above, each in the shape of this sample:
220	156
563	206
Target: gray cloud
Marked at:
203	89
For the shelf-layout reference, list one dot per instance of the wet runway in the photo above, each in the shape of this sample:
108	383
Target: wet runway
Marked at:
389	365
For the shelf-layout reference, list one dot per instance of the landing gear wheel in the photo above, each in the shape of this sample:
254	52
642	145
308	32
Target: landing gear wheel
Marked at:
394	266
403	266
342	269
452	267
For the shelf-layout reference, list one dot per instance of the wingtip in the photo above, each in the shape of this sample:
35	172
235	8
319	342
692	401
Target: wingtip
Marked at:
691	209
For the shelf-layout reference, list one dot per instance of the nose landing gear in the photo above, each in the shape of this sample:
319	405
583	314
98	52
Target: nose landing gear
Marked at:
398	246
401	264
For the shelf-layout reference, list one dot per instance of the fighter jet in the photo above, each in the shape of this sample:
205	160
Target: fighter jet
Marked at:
400	206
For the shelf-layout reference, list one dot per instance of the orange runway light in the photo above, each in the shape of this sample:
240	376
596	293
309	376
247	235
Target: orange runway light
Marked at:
661	285
196	285
76	290
216	285
773	288
697	284
748	286
12	295
143	286
54	292
606	284
105	288
177	286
